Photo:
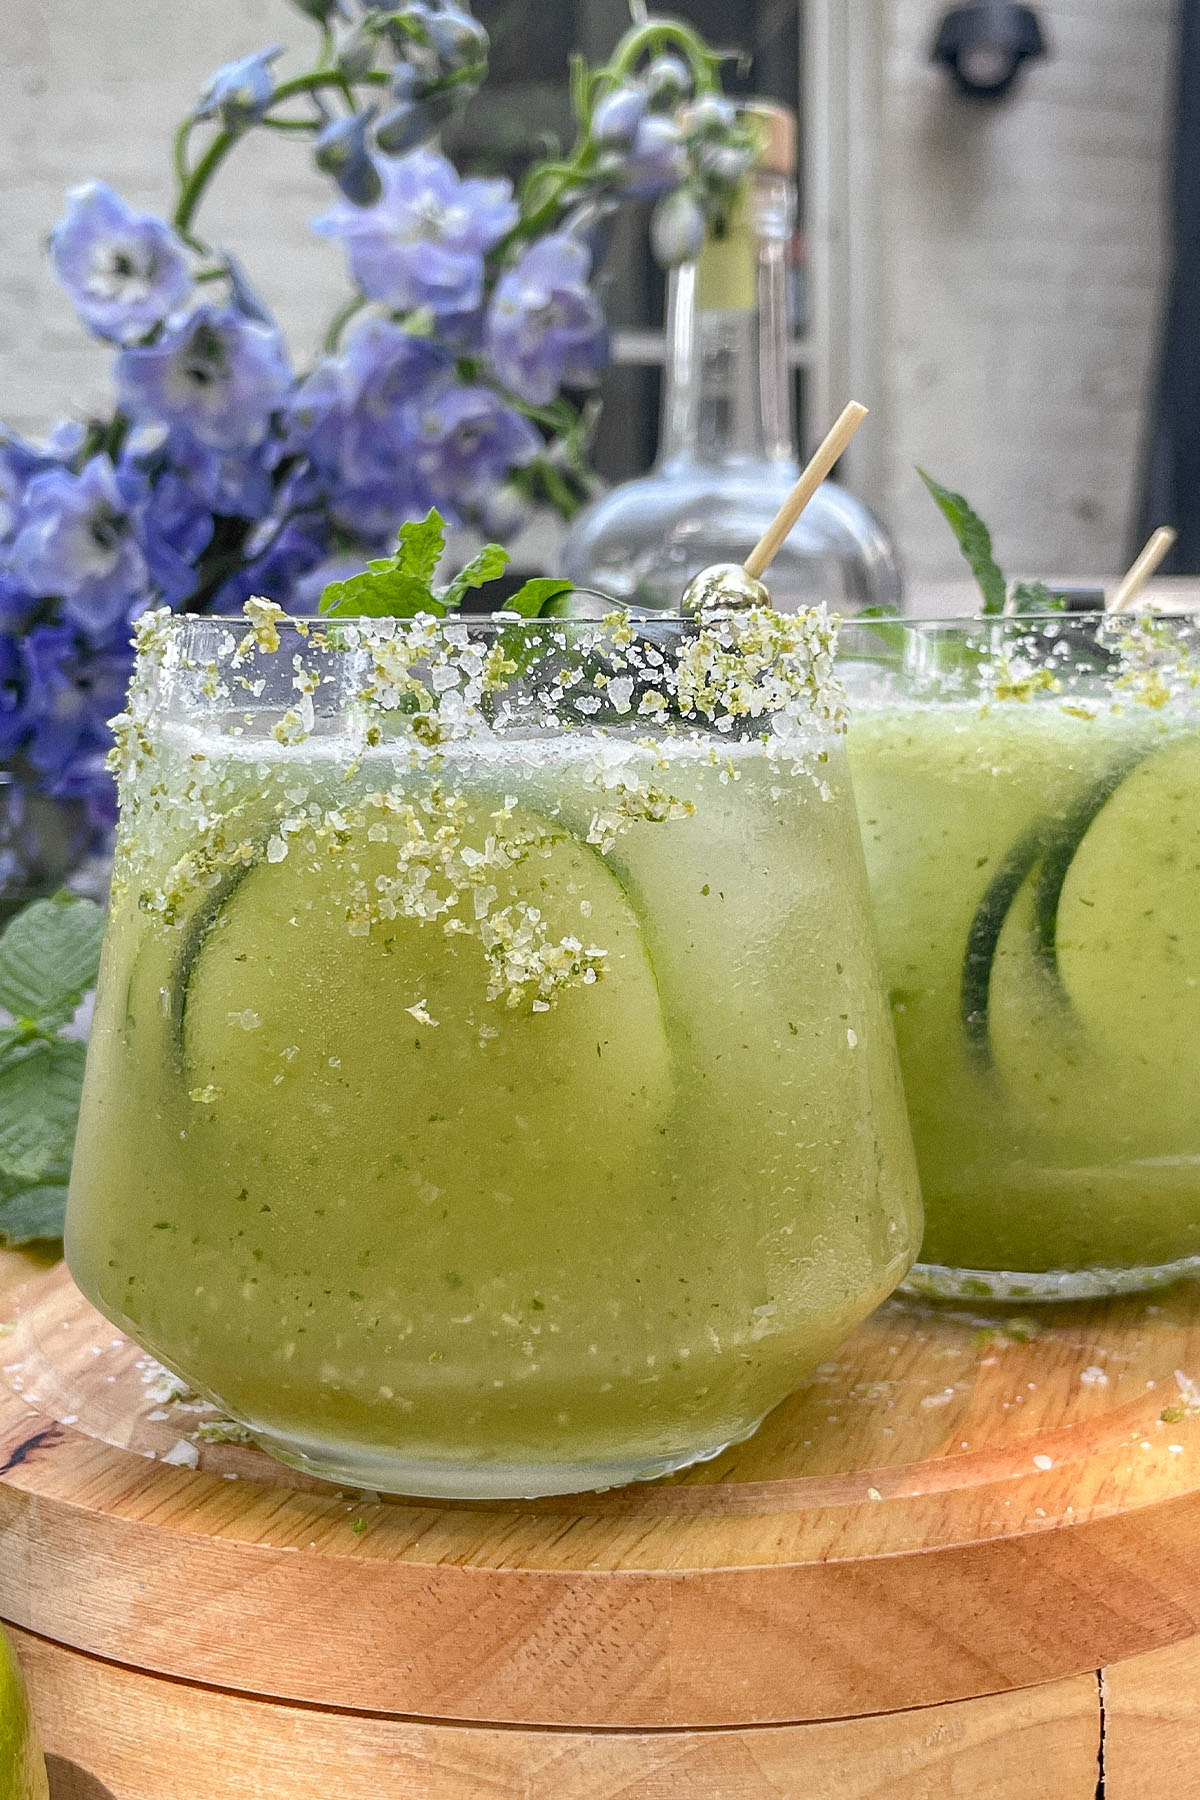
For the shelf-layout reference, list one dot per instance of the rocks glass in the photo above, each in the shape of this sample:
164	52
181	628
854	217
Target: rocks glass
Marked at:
491	1091
1029	790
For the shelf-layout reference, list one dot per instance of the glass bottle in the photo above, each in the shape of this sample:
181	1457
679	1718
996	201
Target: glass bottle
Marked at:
727	450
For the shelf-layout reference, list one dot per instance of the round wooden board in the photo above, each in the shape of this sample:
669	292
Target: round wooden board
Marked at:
950	1508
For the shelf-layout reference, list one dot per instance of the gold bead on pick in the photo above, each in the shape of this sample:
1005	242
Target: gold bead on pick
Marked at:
725	587
733	587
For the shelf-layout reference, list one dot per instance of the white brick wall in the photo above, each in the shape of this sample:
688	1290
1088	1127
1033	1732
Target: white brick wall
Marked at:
1022	266
1021	245
93	88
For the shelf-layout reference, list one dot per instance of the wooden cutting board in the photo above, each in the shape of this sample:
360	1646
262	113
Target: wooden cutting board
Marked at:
960	1505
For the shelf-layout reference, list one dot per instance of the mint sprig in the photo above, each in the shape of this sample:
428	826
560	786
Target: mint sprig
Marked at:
400	586
49	957
975	542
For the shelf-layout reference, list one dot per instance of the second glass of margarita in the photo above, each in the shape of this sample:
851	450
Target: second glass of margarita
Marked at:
1029	791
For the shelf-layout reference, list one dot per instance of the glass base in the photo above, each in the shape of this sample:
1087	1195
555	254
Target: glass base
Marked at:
1043	1284
385	1472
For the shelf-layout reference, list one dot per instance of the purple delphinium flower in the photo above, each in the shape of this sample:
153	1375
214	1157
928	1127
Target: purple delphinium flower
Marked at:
76	541
239	93
351	414
214	374
18	461
657	160
233	483
353	419
16	605
423	243
618	115
174	523
467	440
73	689
14	719
307	591
341	151
544	327
125	271
289	550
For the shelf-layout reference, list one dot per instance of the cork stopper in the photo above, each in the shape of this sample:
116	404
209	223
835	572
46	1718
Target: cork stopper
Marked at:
776	125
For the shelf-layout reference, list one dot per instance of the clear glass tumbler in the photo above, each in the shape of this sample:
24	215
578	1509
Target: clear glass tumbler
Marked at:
491	1090
1029	792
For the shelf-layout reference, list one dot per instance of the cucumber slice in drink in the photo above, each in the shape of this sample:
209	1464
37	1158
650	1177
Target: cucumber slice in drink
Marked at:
1041	858
1128	920
339	1061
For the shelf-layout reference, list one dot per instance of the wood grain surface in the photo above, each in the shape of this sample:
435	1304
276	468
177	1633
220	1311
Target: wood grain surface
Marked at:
952	1508
119	1734
1152	1726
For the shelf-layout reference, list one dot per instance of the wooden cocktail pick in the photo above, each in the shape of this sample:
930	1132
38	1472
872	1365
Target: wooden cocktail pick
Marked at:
733	585
1130	584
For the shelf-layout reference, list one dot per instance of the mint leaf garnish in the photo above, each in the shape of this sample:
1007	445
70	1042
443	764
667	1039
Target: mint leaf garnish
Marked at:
49	956
974	540
395	587
1034	597
382	591
422	542
39	1108
483	567
532	599
400	586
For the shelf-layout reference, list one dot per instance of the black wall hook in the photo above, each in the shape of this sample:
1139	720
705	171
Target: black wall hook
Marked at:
984	46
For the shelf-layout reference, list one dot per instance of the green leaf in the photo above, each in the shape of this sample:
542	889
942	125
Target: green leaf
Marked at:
422	542
395	587
1034	597
49	956
533	600
33	1212
974	540
381	592
39	1108
489	562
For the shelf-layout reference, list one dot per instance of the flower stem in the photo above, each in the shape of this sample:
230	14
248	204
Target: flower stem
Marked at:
193	182
659	34
341	318
193	188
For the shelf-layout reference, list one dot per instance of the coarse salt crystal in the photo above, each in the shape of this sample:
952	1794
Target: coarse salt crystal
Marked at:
183	1455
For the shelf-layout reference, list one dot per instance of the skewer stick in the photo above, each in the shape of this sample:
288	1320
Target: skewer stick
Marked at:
767	547
1130	584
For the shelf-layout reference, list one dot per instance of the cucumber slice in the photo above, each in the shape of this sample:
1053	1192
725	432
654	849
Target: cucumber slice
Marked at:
1128	920
1045	854
359	1064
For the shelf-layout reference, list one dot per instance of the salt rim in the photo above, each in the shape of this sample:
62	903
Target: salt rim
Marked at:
1155	663
411	691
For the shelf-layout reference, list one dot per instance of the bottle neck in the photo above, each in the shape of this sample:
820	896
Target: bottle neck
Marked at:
727	397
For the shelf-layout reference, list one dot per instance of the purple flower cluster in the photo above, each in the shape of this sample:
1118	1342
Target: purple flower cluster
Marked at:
220	473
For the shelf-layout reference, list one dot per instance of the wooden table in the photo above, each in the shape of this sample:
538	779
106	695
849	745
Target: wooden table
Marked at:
964	1560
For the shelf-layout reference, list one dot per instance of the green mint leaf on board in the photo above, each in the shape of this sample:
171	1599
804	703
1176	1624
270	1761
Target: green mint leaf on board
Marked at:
39	1109
33	1212
533	599
49	956
974	540
489	562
